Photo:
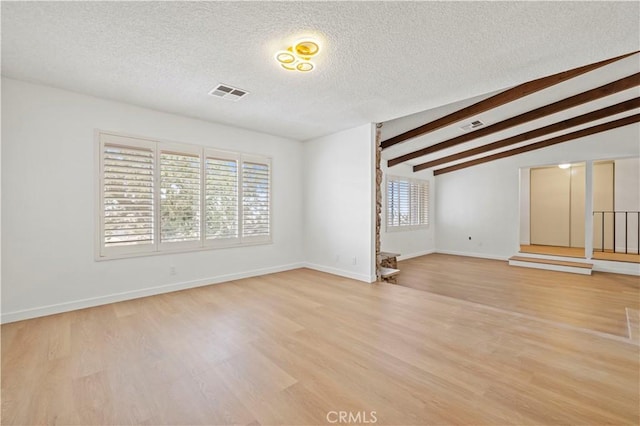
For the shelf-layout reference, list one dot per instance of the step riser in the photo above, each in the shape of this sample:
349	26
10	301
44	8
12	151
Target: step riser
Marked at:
548	267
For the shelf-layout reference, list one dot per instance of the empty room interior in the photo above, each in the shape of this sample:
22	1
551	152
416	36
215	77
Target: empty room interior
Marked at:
304	213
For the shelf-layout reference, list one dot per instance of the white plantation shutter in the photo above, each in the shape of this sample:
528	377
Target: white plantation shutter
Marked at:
179	197
158	196
407	202
256	199
128	196
221	197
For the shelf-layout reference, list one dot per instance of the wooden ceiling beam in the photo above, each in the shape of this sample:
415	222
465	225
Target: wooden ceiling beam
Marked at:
543	144
499	99
570	102
552	128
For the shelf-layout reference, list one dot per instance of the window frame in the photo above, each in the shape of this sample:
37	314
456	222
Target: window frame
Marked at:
158	247
411	182
255	239
179	149
224	155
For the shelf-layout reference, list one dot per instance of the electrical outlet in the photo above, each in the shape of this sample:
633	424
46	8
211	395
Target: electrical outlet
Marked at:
337	258
172	270
354	260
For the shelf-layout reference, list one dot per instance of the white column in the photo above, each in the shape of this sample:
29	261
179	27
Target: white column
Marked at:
588	210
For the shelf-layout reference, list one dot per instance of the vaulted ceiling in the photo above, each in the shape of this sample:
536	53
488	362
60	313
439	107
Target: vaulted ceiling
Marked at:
380	60
554	109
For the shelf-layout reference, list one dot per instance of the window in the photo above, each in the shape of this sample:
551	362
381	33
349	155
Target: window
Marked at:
407	203
222	198
180	197
255	199
158	197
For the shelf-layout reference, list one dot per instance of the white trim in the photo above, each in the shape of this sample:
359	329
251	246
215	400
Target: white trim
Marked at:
550	267
554	257
341	272
403	228
40	311
416	254
625	268
613	267
472	254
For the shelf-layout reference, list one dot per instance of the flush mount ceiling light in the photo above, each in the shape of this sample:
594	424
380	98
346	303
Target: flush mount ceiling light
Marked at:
304	66
564	165
298	57
307	48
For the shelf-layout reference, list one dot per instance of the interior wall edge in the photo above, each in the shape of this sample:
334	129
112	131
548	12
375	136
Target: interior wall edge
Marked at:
473	254
341	272
416	254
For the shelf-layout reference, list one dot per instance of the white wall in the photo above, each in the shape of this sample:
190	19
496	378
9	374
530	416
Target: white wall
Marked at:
525	210
627	198
339	203
50	209
409	243
0	218
482	202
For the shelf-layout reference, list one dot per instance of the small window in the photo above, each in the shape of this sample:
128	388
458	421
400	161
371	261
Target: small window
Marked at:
157	197
407	203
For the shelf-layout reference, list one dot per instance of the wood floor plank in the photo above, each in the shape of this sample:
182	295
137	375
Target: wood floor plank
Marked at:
594	302
289	348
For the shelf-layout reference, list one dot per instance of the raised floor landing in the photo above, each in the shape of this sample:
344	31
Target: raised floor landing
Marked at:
578	252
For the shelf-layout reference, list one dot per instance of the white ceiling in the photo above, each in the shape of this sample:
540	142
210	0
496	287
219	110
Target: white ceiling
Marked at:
380	60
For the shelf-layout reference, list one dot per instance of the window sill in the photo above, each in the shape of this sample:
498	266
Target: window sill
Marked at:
100	258
406	228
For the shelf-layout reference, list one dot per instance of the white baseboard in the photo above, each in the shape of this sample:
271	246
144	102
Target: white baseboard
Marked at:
416	254
616	267
135	294
473	254
341	272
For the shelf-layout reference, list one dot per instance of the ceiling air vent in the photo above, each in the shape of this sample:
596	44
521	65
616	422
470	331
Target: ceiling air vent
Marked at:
473	125
228	92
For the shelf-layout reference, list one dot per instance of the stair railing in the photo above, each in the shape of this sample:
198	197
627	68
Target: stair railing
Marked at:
619	216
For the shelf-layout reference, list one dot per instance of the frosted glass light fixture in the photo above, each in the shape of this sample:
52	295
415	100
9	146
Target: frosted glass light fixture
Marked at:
564	165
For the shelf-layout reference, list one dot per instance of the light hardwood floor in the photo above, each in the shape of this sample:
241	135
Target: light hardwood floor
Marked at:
288	348
579	252
595	302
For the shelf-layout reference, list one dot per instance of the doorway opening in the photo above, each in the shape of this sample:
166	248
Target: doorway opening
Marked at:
583	210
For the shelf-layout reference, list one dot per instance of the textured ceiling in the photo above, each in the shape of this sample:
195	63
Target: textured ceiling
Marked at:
380	60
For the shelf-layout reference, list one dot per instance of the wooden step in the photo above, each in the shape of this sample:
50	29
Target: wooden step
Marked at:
389	272
551	264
